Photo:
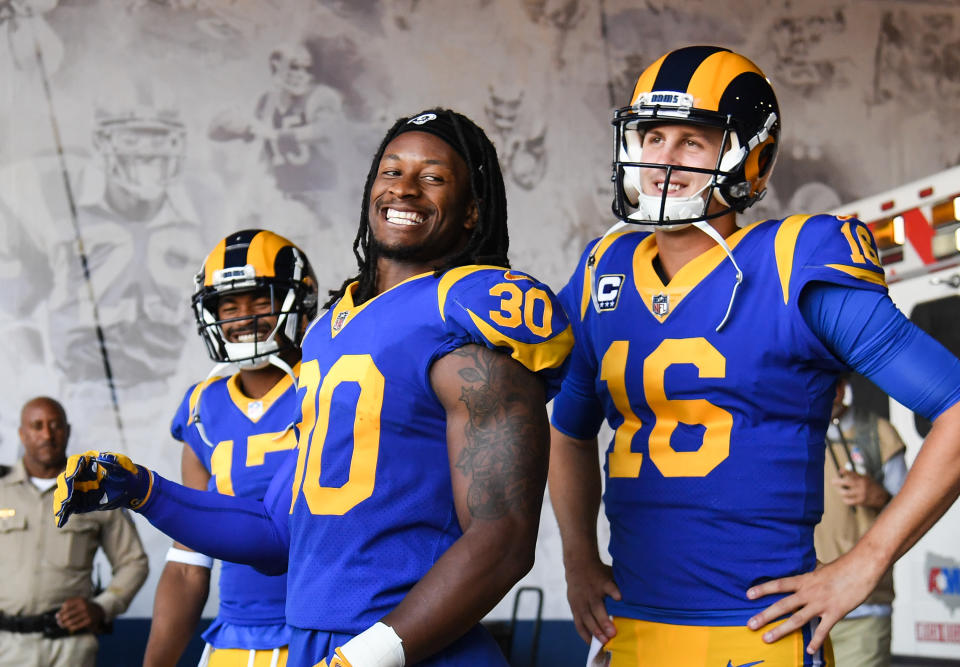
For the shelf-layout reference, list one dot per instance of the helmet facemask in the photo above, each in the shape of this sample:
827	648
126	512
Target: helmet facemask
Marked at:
143	157
291	302
632	204
291	67
706	86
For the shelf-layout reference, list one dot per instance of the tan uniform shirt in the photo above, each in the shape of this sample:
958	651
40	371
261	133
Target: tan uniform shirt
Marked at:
43	565
872	442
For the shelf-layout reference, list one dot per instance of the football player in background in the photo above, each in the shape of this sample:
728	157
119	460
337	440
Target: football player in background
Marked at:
137	230
255	295
292	120
713	352
413	504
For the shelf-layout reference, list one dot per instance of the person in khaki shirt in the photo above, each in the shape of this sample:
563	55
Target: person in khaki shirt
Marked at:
864	469
49	612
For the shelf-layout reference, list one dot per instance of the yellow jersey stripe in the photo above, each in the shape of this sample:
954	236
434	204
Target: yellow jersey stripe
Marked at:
646	80
214	262
784	246
195	395
599	248
648	282
534	356
263	251
862	274
451	277
712	77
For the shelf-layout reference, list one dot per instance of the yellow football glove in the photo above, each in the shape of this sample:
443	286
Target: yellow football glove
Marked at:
99	481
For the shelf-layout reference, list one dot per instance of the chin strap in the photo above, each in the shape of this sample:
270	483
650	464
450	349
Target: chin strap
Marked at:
195	413
709	230
273	359
285	367
703	226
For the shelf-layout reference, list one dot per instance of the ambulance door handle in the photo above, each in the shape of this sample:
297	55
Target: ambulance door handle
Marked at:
952	281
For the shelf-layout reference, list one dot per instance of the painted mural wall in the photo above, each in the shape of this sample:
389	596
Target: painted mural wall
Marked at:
134	134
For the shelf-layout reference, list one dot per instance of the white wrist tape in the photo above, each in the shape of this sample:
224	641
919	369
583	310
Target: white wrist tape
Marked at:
189	557
377	646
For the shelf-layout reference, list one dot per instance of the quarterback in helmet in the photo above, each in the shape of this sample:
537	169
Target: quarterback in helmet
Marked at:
118	291
712	350
143	145
293	122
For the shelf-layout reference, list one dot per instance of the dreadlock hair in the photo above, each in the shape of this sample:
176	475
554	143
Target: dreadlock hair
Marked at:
489	239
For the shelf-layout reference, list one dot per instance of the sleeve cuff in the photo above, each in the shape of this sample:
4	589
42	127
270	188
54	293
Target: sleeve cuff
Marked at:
111	603
579	419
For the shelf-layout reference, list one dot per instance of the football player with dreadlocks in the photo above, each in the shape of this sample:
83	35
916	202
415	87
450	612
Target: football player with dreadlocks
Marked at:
413	504
713	350
255	295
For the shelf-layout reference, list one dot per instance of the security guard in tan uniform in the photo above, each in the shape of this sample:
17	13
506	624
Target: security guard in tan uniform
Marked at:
49	611
865	468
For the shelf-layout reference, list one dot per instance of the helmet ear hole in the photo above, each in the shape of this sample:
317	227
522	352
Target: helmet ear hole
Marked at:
765	159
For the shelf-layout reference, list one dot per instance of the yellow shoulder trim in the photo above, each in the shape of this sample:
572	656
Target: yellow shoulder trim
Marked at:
534	356
648	284
277	390
600	247
195	395
451	277
784	246
862	274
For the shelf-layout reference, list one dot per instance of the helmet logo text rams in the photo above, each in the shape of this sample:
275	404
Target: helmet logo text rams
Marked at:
666	98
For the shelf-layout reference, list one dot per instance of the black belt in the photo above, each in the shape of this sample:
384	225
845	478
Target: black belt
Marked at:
45	623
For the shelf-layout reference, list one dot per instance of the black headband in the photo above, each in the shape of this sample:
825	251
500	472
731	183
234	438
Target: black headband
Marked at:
440	123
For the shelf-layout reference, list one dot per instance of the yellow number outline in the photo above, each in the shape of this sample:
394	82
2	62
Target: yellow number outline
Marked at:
258	446
861	246
521	308
668	413
338	500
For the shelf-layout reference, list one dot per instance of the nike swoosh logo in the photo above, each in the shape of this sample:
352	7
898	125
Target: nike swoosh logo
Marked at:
746	664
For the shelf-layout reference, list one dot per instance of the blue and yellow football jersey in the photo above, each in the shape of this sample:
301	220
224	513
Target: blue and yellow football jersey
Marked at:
251	437
714	473
372	502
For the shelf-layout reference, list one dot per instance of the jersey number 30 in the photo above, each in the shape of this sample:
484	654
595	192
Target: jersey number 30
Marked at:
716	421
353	368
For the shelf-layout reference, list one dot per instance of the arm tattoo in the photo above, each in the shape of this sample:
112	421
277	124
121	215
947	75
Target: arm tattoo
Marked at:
506	452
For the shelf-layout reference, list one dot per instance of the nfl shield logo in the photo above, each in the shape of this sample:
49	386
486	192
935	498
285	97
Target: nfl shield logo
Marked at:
341	318
661	304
